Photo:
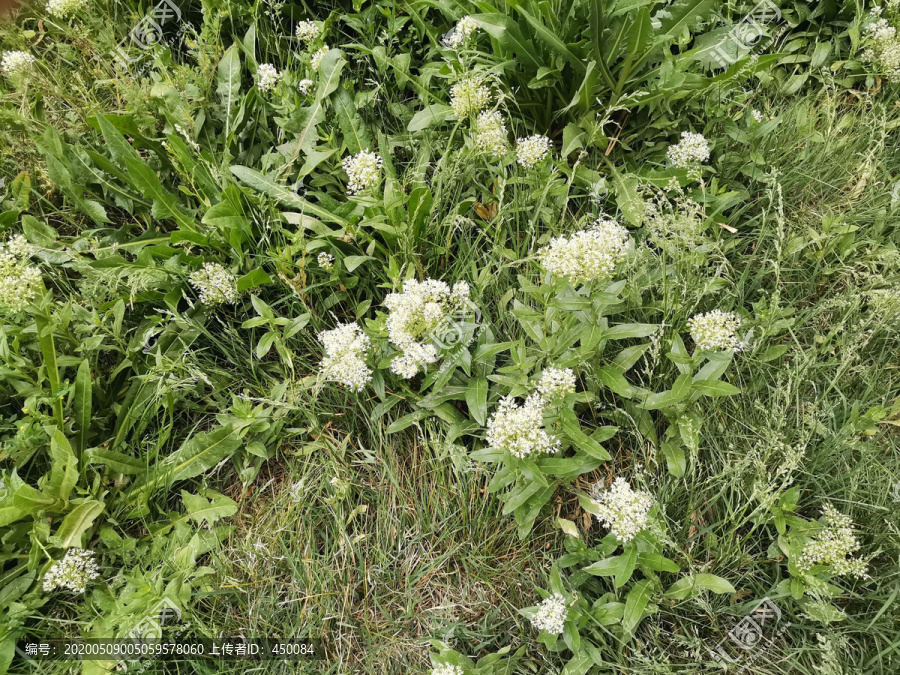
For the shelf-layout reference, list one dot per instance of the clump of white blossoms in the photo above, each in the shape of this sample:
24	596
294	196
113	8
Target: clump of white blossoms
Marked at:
491	136
65	8
344	362
556	382
757	116
690	151
316	59
325	260
363	170
16	62
462	33
215	284
469	97
532	150
520	429
715	330
623	510
446	669
267	77
832	545
413	317
882	45
586	255
551	615
304	85
73	572
307	31
20	283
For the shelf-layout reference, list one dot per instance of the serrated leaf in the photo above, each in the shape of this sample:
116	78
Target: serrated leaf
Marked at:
356	136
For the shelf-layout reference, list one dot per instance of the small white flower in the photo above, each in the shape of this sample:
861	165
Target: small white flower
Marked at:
757	116
469	97
363	170
446	669
65	8
20	282
215	284
325	260
690	151
267	77
520	429
586	255
345	350
490	133
832	545
73	572
316	59
623	510
307	31
715	330
551	615
462	33
16	62
556	382
304	85
532	150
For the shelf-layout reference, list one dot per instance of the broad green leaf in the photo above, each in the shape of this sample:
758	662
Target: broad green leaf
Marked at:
476	399
228	85
657	562
683	15
676	461
715	388
83	399
627	563
582	441
431	115
253	279
713	583
117	461
64	467
356	136
607	567
629	330
38	233
283	195
635	604
507	33
200	509
408	420
680	390
77	522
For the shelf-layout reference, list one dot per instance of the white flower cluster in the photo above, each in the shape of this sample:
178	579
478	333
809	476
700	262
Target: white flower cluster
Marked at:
462	33
267	77
691	150
586	255
345	349
491	136
882	45
304	85
14	62
832	545
469	97
325	260
715	330
623	510
215	284
307	31
757	116
551	615
413	316
65	8
363	170
532	150
73	572
316	59
20	283
556	382
446	669
520	429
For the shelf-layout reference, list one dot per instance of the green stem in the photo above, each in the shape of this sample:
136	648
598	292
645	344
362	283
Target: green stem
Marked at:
48	350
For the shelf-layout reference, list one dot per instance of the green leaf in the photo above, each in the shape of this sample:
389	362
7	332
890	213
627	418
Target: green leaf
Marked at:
630	202
675	459
629	330
608	567
572	429
356	136
680	390
408	420
252	280
117	461
351	262
711	582
507	33
77	522
64	471
549	38
682	15
578	665
635	603
627	563
200	509
657	563
228	85
38	233
83	399
476	399
283	195
431	115
715	388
